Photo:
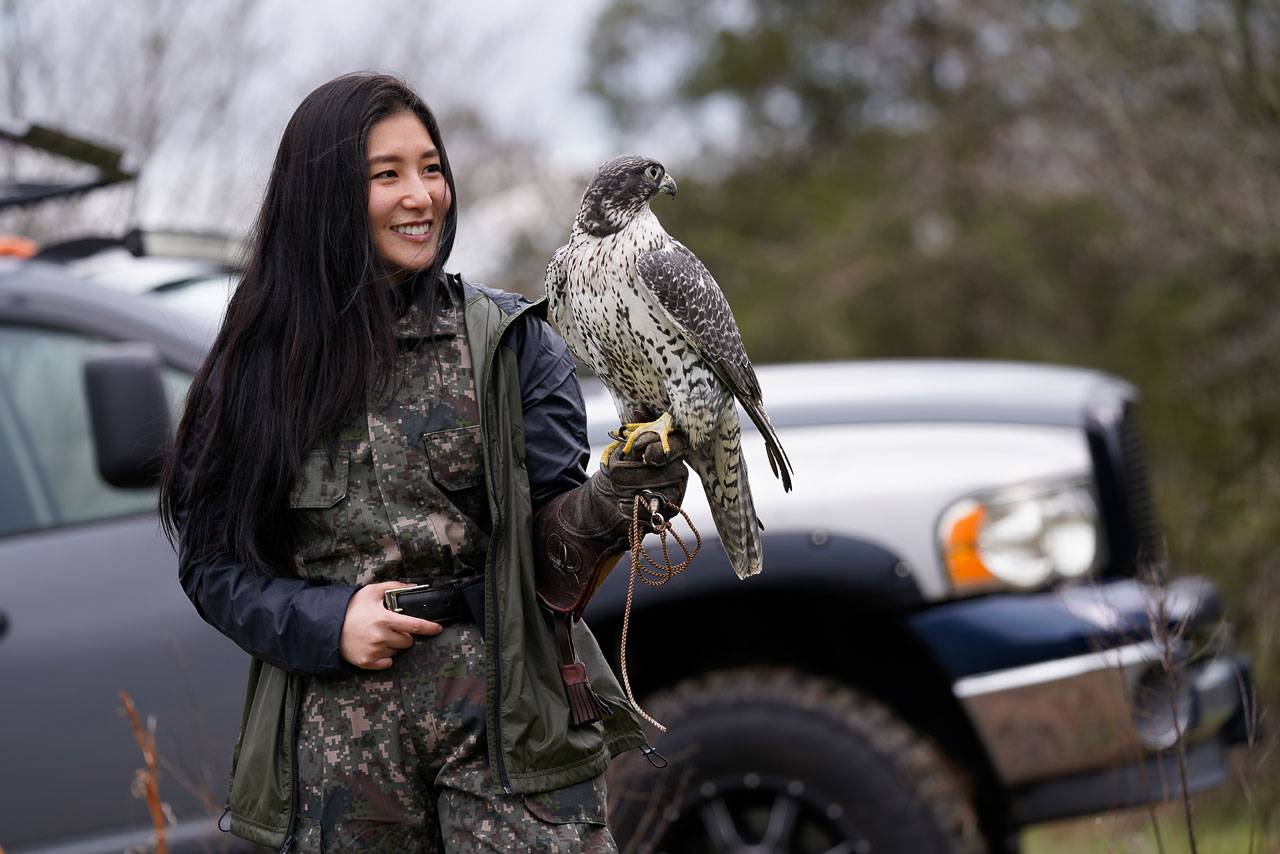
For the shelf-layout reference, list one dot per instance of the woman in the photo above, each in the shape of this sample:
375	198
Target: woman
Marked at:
365	422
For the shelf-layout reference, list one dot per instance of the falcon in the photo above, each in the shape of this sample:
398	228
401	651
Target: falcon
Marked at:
644	313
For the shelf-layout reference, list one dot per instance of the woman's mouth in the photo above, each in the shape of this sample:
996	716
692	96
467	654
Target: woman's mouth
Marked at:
415	231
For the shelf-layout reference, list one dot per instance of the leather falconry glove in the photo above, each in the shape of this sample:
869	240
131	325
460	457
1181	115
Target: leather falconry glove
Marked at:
579	535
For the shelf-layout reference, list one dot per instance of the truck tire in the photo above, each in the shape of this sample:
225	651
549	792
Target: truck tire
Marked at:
775	761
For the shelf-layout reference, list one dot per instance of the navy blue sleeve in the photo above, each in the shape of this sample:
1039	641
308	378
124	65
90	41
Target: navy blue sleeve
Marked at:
555	418
292	623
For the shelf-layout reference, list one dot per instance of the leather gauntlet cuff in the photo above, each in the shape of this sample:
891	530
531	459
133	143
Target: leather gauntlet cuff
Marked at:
578	537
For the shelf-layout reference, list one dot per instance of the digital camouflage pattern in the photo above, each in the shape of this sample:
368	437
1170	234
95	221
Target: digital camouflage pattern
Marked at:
427	515
397	760
380	753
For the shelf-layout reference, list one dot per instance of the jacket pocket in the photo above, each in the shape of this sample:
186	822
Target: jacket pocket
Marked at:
455	457
319	495
320	483
581	803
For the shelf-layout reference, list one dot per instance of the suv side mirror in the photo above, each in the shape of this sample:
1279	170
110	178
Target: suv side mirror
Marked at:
129	413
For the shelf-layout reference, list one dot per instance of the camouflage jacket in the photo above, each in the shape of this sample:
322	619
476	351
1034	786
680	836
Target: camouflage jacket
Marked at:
531	746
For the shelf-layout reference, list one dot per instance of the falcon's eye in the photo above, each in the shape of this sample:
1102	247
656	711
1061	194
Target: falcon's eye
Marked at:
654	172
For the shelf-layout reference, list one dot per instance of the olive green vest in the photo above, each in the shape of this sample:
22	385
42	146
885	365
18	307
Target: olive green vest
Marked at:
532	748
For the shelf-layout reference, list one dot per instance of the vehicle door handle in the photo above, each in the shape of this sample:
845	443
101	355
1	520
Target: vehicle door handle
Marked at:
4	624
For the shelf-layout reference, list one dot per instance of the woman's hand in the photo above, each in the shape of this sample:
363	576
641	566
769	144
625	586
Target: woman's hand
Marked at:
371	634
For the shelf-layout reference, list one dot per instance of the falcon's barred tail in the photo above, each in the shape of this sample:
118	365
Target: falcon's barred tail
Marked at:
723	473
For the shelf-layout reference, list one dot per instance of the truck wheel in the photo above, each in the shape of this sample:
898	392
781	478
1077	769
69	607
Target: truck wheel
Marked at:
773	761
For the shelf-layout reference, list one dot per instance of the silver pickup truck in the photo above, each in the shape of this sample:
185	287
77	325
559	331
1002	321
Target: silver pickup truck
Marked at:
964	625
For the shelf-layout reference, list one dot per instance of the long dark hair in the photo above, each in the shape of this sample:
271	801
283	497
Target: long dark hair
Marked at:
310	328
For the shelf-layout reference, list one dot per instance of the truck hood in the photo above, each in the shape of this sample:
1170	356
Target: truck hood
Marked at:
808	394
881	448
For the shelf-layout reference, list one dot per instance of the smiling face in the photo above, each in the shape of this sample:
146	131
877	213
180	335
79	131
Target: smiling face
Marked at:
408	194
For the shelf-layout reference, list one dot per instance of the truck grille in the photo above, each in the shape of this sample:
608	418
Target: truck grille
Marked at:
1124	491
1136	482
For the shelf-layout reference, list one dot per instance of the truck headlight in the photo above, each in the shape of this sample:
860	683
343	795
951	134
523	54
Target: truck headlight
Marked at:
1021	536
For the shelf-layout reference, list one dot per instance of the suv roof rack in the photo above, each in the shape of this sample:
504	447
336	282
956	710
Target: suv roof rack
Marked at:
108	161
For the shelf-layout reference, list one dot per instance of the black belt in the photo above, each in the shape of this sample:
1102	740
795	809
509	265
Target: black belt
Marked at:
441	601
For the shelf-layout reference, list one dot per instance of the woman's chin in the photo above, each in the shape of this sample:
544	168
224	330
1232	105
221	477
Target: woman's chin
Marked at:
398	275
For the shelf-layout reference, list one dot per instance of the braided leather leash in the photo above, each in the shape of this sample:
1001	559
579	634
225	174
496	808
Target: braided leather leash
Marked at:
653	574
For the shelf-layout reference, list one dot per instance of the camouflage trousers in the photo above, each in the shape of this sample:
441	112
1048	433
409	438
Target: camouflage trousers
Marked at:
396	760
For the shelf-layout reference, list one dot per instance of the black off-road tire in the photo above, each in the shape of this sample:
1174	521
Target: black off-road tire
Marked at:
774	761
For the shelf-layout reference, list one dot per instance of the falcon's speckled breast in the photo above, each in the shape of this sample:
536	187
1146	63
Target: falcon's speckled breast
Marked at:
631	341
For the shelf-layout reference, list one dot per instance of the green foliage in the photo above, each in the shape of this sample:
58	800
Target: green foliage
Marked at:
998	276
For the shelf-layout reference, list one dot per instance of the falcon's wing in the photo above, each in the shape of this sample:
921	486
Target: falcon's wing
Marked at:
560	309
556	284
693	300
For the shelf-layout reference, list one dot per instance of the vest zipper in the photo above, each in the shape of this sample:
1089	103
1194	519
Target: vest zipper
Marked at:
497	679
295	793
492	575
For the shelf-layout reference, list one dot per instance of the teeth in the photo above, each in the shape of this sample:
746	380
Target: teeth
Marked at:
412	230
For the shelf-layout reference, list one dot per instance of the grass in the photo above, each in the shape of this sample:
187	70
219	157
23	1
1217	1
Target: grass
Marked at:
1223	824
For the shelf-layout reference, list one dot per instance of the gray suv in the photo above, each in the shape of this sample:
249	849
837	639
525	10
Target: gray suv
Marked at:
962	627
89	604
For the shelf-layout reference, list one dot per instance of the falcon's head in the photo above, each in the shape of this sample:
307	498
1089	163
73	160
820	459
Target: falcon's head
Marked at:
620	191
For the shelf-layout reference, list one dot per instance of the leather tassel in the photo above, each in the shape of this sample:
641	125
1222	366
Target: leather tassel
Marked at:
584	706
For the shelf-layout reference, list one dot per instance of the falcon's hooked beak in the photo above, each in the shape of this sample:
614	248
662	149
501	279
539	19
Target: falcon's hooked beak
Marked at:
668	186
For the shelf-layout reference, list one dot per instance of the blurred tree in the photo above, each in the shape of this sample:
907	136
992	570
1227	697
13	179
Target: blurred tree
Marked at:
198	94
1086	181
162	75
954	140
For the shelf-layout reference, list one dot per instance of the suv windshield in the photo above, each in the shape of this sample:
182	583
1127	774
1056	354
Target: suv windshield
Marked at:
205	297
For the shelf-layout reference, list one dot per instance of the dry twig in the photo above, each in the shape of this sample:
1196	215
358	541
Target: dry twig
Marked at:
147	782
1169	637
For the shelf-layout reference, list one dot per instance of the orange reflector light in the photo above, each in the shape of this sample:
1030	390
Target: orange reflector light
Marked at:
17	247
961	553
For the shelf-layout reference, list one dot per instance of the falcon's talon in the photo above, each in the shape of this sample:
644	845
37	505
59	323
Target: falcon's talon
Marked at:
626	429
608	449
661	425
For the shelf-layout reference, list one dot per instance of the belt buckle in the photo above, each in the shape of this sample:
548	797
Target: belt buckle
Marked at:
390	599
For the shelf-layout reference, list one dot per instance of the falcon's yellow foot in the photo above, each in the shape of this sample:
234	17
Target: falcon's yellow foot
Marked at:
608	449
661	425
626	434
618	436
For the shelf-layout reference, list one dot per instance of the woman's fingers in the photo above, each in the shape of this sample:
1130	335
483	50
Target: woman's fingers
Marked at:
403	622
396	641
412	625
372	635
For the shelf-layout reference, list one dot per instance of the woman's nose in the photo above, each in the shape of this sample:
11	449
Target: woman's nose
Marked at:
418	196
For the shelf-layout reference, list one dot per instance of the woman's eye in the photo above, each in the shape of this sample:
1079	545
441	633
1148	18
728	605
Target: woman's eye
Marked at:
386	173
432	168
